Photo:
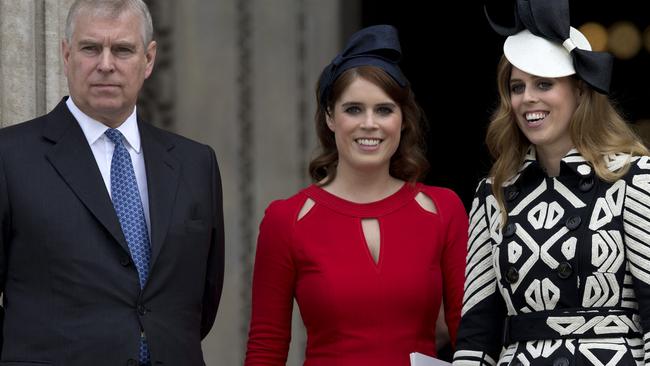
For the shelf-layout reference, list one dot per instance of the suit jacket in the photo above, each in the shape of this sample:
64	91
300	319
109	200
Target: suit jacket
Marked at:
70	289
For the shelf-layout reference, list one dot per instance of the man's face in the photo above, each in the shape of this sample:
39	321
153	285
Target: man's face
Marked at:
106	63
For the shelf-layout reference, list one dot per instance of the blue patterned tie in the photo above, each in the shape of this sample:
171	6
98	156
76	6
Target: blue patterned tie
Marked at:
128	206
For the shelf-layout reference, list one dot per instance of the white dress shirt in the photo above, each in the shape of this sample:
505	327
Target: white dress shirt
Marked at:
102	148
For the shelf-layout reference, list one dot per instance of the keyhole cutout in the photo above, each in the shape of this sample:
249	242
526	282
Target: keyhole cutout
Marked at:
372	236
426	202
306	207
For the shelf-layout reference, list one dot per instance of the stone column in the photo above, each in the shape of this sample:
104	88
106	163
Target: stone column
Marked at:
31	73
245	78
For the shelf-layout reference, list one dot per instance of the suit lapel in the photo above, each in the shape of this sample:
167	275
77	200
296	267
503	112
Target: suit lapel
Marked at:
72	158
162	181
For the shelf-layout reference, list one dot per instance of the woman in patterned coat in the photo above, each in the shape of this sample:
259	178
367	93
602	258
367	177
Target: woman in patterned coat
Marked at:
558	265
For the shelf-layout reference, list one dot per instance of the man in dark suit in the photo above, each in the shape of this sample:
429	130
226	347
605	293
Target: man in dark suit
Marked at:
111	230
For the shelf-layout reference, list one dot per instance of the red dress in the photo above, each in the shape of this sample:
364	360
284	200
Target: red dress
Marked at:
357	312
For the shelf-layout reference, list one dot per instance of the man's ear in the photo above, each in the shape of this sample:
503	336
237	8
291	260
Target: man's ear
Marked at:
65	53
150	55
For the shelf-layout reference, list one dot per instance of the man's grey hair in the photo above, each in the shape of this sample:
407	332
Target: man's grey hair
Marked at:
110	9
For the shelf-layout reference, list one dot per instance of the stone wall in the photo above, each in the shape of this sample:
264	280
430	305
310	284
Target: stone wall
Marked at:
31	72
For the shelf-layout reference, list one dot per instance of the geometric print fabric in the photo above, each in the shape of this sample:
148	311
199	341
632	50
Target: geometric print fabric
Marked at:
128	207
604	252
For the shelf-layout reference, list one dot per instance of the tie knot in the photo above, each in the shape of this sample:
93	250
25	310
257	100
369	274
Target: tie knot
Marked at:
115	136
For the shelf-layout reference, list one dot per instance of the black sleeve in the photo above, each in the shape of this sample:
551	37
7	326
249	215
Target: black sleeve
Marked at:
636	224
5	231
481	327
215	267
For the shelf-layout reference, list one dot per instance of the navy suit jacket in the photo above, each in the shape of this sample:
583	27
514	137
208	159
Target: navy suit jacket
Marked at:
70	290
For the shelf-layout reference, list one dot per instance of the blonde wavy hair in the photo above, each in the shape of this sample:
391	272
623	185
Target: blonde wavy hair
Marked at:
596	129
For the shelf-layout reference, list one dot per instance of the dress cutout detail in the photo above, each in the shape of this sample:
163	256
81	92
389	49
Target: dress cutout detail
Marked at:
357	312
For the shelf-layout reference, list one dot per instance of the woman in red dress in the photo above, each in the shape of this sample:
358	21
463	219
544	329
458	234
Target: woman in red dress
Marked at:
368	253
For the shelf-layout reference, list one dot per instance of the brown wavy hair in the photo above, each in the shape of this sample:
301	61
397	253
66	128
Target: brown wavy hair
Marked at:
596	129
408	163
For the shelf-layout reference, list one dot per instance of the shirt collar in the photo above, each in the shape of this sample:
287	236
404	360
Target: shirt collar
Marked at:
94	129
572	163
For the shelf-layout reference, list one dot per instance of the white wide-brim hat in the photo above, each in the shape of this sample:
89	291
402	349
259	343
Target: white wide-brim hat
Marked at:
541	57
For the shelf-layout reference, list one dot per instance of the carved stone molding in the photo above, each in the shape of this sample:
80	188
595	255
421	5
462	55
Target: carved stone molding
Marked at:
156	101
246	141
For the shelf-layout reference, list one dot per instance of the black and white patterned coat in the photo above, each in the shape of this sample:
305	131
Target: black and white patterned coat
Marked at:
566	281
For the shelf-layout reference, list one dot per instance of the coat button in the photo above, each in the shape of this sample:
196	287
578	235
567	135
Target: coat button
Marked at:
586	184
564	270
512	194
561	361
141	309
125	260
131	362
573	222
512	275
509	230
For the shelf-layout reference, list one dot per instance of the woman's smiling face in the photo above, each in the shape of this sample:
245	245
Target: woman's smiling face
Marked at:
543	108
367	126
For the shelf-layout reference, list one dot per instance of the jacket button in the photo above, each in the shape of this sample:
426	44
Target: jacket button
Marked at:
564	270
512	275
131	362
561	361
573	222
586	184
141	309
509	230
512	194
125	260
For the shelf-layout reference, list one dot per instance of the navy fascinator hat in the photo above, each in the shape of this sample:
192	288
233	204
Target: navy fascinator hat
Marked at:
377	45
543	43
